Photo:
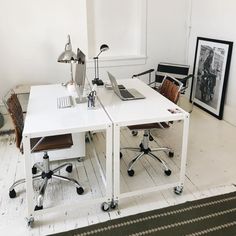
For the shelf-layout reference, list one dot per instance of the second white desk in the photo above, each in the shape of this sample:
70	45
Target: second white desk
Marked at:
154	108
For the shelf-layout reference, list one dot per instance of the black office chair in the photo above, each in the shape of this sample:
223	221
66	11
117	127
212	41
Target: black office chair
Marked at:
170	88
44	145
178	71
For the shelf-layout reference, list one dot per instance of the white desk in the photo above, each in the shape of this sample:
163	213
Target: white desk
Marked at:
43	118
154	108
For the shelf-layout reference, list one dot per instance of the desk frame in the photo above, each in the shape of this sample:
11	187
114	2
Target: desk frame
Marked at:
109	100
178	186
27	135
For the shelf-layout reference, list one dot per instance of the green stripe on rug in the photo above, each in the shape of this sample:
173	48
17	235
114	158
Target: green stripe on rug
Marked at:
210	216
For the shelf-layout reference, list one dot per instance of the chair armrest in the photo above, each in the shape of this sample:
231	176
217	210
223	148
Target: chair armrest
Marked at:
184	80
143	73
185	83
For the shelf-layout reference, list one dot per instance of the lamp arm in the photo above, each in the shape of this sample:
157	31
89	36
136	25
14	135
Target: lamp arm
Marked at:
68	44
99	53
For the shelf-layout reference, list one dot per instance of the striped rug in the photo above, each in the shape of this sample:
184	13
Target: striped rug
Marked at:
210	216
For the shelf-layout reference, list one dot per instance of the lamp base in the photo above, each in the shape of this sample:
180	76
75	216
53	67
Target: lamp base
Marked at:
79	100
98	82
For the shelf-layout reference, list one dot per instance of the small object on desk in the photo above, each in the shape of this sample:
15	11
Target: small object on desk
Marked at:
91	99
64	102
173	111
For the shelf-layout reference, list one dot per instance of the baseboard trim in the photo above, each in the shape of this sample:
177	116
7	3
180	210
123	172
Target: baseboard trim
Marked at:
230	115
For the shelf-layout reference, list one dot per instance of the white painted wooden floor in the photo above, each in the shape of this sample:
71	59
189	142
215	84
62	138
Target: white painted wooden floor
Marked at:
210	171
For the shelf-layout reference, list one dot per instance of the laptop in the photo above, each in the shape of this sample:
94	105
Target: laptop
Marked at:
124	94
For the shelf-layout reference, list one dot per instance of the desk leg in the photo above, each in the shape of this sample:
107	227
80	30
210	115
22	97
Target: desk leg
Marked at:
116	160
109	174
28	176
184	150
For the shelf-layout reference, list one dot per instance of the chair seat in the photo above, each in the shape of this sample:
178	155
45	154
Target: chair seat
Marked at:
52	142
149	126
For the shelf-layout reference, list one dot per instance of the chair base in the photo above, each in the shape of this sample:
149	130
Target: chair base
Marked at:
46	174
145	150
148	152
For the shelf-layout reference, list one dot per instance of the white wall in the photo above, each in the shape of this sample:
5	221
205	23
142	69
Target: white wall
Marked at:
123	29
166	37
33	34
115	25
216	19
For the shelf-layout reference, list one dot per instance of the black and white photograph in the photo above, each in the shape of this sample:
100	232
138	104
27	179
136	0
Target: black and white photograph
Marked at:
211	69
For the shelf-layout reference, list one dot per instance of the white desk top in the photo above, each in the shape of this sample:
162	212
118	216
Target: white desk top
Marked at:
153	108
43	118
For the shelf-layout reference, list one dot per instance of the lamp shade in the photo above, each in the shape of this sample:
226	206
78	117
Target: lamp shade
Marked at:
104	48
68	56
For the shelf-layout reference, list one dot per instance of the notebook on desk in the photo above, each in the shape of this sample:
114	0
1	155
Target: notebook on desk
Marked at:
124	94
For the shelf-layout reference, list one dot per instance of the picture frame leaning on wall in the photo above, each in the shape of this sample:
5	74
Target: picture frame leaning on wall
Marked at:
211	71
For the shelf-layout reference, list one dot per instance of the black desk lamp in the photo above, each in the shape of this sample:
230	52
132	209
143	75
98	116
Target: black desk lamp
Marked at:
96	80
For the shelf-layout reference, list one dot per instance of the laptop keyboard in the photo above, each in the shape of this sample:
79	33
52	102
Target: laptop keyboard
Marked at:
125	93
64	102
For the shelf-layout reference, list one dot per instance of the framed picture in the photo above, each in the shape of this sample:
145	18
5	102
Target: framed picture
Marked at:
211	71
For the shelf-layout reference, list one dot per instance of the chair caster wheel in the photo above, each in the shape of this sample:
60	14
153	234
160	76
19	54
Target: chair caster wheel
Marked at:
113	205
151	138
178	190
69	168
121	155
105	206
34	170
171	154
141	146
80	159
168	172
80	190
87	140
37	208
12	193
30	222
130	172
134	133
